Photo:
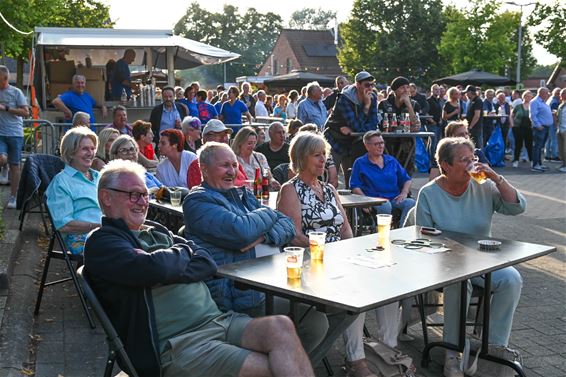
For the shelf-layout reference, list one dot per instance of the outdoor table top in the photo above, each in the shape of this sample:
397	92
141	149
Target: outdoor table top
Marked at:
495	116
399	134
348	201
342	282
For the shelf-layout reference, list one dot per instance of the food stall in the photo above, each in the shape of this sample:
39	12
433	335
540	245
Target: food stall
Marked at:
63	52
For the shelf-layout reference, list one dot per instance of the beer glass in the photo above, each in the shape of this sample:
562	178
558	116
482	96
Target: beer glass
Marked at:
472	169
316	245
176	198
294	261
383	229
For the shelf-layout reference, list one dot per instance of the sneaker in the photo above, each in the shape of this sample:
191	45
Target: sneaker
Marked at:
11	202
504	353
562	169
515	164
4	180
544	167
452	367
537	168
555	159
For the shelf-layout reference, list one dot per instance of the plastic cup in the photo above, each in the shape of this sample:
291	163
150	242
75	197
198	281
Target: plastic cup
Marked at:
176	198
294	261
383	229
479	176
316	245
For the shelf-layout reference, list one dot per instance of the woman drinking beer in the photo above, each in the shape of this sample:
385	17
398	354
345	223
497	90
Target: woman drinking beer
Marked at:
455	202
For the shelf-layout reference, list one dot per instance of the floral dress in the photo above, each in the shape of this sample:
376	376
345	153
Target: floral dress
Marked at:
317	215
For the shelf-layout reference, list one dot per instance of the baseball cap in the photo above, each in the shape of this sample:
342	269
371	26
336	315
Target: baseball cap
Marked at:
215	125
363	76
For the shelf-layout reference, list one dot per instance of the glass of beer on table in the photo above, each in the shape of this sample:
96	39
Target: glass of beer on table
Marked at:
316	245
383	229
294	261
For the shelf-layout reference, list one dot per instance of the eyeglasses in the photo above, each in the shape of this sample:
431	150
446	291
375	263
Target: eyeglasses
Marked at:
368	84
134	195
127	150
468	160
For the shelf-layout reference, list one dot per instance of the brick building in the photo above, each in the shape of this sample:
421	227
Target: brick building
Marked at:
302	50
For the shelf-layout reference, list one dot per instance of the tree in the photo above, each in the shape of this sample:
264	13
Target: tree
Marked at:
26	15
552	22
485	39
252	35
390	38
312	19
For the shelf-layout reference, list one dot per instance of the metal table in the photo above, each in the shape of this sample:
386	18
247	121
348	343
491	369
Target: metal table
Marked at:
339	284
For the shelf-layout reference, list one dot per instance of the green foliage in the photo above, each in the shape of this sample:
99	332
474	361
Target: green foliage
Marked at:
393	37
552	22
482	38
312	19
252	35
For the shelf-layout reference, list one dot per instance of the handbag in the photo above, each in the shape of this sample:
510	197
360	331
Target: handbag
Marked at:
388	361
495	148
422	159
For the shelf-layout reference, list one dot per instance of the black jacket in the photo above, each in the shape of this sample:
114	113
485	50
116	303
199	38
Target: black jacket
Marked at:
155	118
122	277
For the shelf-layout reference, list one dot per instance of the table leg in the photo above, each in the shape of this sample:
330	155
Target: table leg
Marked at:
344	320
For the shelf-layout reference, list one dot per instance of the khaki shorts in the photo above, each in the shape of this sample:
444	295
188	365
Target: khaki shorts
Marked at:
212	350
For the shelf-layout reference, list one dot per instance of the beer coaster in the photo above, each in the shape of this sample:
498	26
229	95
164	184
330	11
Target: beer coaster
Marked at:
489	245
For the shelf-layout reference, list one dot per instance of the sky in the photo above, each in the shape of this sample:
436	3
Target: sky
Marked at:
148	14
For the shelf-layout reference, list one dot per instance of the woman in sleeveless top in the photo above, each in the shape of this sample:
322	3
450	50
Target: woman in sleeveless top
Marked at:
315	206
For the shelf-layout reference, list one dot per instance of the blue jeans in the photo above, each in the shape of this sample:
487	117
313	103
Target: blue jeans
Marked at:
539	138
552	143
404	206
506	285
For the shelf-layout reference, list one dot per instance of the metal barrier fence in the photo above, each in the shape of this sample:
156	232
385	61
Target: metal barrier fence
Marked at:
43	136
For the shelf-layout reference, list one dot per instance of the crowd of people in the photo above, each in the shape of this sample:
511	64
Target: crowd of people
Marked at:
157	287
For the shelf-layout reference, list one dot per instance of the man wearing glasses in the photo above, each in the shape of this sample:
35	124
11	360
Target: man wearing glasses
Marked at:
151	284
355	111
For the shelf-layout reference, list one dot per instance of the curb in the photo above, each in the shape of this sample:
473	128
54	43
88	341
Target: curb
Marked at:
19	272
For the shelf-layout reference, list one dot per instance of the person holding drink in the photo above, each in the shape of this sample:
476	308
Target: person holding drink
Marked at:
314	206
230	222
441	204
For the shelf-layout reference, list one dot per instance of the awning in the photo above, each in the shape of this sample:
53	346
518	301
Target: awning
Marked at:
110	44
298	79
475	77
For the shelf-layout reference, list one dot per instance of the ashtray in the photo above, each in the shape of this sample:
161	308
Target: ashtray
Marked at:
345	192
489	245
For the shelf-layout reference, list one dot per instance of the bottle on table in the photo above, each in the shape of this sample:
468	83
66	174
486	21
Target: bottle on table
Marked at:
407	124
257	183
123	97
265	185
394	123
385	124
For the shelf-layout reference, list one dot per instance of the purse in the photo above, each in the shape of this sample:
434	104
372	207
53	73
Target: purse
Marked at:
388	361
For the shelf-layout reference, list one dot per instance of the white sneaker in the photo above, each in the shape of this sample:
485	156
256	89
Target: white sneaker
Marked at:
452	367
4	178
562	169
515	164
537	168
11	202
504	353
544	167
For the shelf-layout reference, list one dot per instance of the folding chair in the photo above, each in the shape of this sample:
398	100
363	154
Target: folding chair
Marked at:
37	173
65	255
115	346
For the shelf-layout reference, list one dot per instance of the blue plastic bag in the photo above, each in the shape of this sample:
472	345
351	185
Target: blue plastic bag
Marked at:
422	159
495	148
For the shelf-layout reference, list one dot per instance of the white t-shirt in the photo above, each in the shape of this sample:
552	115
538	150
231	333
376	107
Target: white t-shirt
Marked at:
167	174
260	109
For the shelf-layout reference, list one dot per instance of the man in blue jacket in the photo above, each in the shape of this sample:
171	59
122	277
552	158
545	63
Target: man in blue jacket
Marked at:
230	222
151	285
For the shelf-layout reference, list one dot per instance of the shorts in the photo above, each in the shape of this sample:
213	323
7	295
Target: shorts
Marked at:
11	146
211	350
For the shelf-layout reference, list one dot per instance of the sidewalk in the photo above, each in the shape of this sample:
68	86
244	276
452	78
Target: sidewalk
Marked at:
60	342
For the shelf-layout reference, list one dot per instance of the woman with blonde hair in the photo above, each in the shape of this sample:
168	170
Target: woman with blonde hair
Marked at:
105	140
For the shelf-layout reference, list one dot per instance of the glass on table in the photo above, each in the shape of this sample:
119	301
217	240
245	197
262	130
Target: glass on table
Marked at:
176	197
317	241
383	229
294	261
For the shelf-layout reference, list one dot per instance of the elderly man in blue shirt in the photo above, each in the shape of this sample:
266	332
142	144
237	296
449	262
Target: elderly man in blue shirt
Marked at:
377	174
312	109
542	120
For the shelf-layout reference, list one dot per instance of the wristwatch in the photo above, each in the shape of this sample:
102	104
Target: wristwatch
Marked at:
500	180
